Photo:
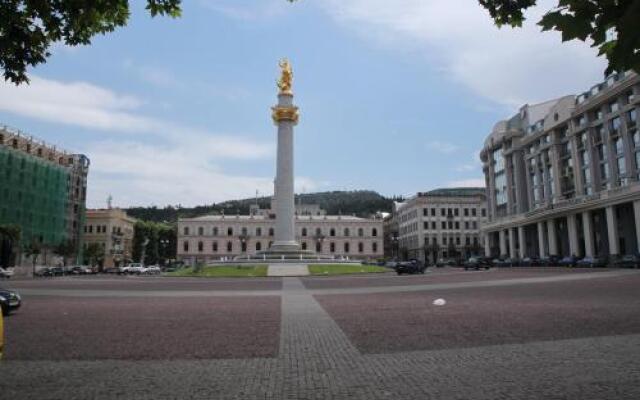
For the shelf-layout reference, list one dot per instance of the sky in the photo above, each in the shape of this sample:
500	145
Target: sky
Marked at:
394	96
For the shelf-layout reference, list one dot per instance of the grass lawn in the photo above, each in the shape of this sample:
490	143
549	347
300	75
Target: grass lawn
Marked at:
341	269
223	271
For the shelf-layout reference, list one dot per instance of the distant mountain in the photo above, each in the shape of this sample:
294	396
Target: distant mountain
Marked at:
362	203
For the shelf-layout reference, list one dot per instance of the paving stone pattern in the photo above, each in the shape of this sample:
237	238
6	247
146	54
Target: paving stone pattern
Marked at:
316	360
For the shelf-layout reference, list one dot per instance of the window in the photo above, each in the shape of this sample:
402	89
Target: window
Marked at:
426	226
425	212
186	230
617	145
473	212
613	106
346	231
318	232
466	212
455	211
229	247
374	232
632	117
332	247
200	247
229	231
433	212
433	225
457	225
318	247
346	247
484	212
332	232
215	231
450	225
304	245
304	231
271	232
360	247
214	246
615	125
444	225
258	246
466	224
360	232
244	231
185	246
258	231
374	247
200	231
442	212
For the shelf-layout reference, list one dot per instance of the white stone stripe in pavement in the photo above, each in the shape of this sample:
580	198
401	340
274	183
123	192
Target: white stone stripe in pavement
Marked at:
288	270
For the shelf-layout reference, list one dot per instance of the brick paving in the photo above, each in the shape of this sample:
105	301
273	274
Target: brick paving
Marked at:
317	360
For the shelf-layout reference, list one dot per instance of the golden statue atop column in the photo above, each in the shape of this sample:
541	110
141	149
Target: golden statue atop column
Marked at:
286	77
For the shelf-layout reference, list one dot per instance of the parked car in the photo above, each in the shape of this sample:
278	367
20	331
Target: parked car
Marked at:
569	261
410	267
443	262
112	270
391	264
476	263
511	262
592	262
43	271
151	270
135	268
9	301
550	261
627	261
530	262
6	273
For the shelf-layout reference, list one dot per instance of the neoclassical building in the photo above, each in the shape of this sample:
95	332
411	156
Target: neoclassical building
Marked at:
563	176
441	223
112	229
212	238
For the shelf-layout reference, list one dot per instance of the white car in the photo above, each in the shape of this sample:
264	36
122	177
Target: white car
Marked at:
134	268
6	273
152	270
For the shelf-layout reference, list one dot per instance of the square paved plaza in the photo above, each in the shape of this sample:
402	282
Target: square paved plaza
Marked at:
505	333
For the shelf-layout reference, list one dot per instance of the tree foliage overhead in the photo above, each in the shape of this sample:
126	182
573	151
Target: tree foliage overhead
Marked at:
613	26
28	28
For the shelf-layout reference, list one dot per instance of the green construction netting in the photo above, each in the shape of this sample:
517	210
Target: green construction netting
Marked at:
33	195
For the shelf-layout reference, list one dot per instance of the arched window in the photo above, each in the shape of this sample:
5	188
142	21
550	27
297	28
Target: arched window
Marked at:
374	232
346	247
200	231
214	246
332	247
229	231
258	246
185	246
318	247
258	231
200	247
304	231
186	230
270	231
374	247
304	245
360	247
346	231
332	232
229	247
215	231
360	232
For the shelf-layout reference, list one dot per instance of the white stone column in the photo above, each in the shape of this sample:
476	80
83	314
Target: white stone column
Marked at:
285	117
487	244
512	243
541	247
636	214
612	230
503	243
587	227
522	242
572	228
551	234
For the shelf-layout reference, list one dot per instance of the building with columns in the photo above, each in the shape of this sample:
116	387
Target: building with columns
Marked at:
212	238
562	176
441	223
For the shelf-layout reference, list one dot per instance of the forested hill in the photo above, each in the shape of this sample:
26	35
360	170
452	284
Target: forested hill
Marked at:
359	202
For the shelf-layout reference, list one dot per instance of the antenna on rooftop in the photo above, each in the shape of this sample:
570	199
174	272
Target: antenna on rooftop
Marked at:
109	201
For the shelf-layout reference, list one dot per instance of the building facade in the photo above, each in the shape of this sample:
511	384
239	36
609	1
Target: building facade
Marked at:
222	237
42	190
112	229
563	176
442	223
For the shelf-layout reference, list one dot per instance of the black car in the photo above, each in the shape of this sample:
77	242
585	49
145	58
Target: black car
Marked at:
476	263
569	261
592	262
410	267
627	261
9	301
530	262
550	261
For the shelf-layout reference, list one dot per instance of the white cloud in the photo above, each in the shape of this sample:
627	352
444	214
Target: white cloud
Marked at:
473	164
508	66
442	147
471	182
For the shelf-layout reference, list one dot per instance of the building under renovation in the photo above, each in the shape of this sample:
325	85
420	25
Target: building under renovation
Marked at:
43	192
